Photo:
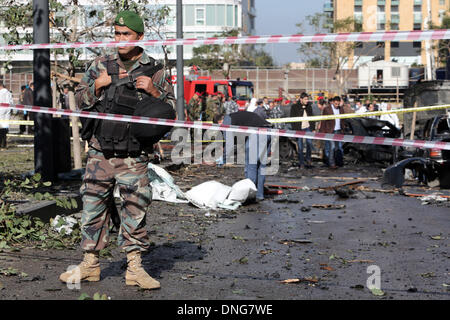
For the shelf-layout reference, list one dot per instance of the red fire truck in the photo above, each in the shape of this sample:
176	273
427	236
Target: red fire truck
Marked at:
241	90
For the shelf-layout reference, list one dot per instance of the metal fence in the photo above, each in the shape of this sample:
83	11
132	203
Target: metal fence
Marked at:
268	81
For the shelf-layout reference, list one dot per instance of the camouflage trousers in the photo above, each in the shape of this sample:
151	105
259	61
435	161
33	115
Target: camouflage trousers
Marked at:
131	176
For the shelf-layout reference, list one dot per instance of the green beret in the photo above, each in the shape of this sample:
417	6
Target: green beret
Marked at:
131	20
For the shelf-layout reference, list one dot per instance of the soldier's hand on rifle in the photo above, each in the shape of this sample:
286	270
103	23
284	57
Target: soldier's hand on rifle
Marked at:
102	81
146	84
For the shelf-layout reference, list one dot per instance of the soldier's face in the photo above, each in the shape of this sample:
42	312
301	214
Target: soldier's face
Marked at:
123	33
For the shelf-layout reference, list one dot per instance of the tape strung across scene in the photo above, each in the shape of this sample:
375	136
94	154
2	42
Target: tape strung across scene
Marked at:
311	118
239	129
414	35
21	122
358	115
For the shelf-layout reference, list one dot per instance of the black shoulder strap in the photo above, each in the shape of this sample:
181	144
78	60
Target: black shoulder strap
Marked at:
112	68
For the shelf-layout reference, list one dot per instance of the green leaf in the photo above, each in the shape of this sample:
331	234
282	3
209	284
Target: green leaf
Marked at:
243	260
74	203
4	245
37	177
84	296
377	292
47	184
96	296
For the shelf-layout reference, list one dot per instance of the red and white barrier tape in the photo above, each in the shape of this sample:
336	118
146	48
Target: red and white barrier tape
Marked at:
241	129
414	35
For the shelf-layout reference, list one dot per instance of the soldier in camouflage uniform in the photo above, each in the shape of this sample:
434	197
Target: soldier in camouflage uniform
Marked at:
194	107
212	107
129	173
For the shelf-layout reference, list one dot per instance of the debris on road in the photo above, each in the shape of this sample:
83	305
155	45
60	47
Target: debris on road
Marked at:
285	199
163	186
328	206
377	292
343	185
433	198
360	261
344	192
292	241
63	225
299	280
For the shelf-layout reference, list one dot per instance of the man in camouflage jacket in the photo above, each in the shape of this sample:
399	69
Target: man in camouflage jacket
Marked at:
194	107
128	173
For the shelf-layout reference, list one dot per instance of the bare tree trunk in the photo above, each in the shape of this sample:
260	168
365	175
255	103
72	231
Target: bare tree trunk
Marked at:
75	133
413	123
54	94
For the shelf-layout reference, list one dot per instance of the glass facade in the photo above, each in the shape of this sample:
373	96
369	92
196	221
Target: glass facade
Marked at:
211	15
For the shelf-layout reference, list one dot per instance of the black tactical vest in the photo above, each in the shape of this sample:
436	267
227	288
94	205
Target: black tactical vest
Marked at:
118	138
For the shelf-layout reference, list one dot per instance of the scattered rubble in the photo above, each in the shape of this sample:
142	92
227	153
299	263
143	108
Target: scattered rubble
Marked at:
433	198
63	225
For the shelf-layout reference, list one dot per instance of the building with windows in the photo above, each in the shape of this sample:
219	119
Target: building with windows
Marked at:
208	18
382	15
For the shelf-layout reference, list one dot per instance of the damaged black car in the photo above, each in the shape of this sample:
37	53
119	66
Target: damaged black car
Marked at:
374	128
428	166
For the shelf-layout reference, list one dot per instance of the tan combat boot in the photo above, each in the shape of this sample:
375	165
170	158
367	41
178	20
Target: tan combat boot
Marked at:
87	270
136	275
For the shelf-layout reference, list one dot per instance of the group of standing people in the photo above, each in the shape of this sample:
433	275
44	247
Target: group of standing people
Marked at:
333	154
372	106
205	106
26	97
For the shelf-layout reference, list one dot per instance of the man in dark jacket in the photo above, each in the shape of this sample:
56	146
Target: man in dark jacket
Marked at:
28	99
260	110
333	151
303	108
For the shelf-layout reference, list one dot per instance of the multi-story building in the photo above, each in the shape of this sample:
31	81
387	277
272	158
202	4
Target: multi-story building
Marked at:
208	18
382	15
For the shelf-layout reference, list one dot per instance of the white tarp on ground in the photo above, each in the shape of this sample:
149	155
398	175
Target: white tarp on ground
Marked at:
163	186
207	195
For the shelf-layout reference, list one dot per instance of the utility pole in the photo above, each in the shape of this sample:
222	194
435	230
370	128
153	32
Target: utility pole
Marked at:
180	63
43	146
428	53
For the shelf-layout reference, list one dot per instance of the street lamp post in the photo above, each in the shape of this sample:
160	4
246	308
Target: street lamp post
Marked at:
43	147
180	64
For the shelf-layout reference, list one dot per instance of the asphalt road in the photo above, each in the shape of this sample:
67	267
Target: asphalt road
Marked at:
248	253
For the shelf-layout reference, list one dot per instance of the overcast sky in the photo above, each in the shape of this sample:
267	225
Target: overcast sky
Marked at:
279	18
